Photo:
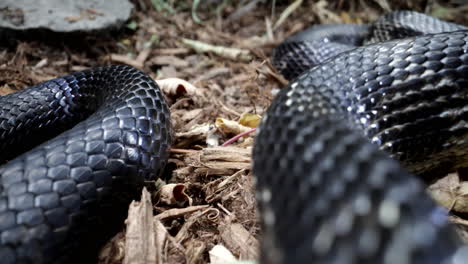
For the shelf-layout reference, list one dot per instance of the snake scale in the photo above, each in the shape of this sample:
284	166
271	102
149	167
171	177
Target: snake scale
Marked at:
327	193
58	199
330	187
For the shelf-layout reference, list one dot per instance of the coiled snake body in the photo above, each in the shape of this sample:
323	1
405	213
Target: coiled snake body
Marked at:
58	199
327	193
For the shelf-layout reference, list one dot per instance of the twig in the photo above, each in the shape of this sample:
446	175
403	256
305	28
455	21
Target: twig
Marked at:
231	53
288	11
183	151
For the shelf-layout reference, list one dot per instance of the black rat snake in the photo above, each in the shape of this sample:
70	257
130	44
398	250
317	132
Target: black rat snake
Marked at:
60	200
327	195
327	188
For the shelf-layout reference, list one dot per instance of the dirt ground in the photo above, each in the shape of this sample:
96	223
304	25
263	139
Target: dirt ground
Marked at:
222	50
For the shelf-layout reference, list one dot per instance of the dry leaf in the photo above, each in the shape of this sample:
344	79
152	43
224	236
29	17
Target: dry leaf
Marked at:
230	127
451	193
177	87
250	120
174	194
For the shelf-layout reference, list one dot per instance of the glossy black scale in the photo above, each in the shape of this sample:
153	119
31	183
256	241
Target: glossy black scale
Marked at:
61	200
335	151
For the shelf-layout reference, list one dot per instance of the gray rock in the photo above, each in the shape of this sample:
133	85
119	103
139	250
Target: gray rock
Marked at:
63	15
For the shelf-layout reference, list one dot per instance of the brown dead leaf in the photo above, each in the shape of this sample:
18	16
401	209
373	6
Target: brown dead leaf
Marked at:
230	127
174	194
6	89
177	87
451	192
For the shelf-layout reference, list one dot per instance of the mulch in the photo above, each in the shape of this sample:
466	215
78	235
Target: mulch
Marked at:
207	212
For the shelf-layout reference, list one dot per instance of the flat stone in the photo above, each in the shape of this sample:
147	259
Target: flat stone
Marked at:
64	15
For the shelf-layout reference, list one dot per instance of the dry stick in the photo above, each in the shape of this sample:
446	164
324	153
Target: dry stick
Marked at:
183	151
236	137
226	52
287	12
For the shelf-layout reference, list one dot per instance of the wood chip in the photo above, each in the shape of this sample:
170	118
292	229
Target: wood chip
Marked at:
170	60
226	154
172	51
238	239
140	240
160	237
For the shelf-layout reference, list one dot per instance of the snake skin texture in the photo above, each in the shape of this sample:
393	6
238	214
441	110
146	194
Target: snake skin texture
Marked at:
310	47
319	43
401	24
336	150
58	199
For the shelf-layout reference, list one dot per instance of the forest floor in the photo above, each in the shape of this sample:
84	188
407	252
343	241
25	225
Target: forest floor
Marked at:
230	84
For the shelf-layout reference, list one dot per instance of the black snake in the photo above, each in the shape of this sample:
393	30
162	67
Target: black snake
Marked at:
326	194
60	200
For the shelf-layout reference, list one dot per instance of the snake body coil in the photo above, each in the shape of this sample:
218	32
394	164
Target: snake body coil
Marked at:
56	198
327	193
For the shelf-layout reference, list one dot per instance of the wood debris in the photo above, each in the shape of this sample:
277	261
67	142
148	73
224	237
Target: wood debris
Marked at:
139	238
174	194
225	52
239	240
